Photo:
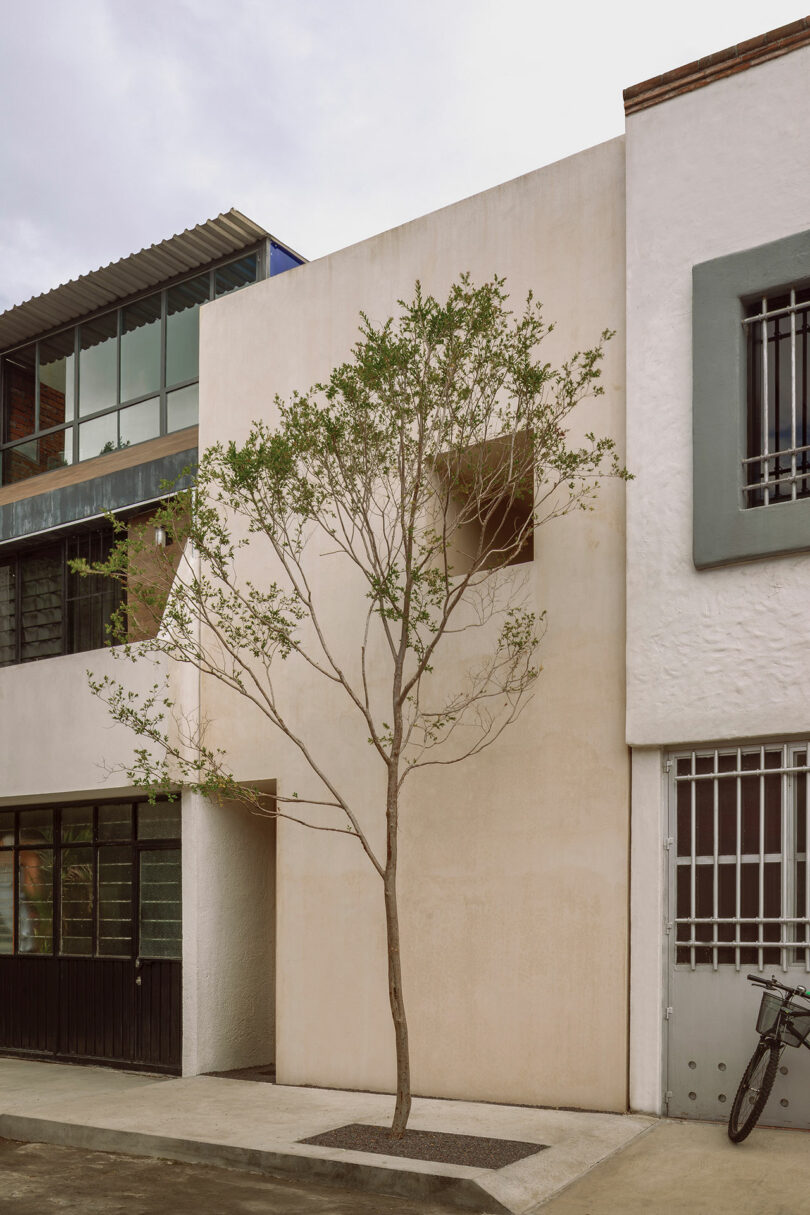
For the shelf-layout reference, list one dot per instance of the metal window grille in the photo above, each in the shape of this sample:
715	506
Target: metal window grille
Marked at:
777	465
742	897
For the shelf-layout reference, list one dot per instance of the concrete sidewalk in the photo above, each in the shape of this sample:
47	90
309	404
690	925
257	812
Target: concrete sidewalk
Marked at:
243	1124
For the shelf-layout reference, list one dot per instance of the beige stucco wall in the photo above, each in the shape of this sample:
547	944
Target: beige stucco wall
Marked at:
514	867
57	738
228	966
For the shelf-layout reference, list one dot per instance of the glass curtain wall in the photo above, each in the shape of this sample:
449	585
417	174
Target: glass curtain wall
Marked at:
115	380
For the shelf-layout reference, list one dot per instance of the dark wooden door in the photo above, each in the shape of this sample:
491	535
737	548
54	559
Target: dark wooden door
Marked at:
90	933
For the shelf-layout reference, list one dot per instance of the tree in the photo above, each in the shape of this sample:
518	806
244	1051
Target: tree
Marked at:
427	462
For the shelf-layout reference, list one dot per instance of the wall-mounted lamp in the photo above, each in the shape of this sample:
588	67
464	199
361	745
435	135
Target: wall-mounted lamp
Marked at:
162	538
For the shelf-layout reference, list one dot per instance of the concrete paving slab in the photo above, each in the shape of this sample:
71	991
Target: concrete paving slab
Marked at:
54	1080
237	1123
692	1168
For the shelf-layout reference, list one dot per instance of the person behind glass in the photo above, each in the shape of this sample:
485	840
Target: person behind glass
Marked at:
30	891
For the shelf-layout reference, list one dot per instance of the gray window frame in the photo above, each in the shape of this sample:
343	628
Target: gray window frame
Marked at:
724	530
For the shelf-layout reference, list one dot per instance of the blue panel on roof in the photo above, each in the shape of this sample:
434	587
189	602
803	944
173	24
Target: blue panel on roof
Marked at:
281	260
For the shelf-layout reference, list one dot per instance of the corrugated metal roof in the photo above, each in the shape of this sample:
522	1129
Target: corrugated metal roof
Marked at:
228	233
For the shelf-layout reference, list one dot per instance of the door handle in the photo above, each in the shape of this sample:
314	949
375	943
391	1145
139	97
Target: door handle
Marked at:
138	980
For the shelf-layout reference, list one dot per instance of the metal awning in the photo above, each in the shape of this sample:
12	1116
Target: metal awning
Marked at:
228	233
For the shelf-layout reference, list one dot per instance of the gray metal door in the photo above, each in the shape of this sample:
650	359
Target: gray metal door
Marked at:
739	903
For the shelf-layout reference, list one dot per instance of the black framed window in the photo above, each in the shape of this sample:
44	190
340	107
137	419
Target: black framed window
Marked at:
45	609
116	379
92	880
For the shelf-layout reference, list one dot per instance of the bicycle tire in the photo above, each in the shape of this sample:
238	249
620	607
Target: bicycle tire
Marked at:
755	1089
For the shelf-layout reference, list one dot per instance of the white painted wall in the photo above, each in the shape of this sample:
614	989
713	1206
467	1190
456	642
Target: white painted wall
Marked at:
514	868
228	937
647	940
57	738
711	655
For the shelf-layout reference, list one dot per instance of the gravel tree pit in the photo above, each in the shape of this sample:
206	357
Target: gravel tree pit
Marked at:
440	1147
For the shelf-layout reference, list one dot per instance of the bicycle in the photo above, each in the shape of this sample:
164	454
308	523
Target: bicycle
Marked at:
780	1023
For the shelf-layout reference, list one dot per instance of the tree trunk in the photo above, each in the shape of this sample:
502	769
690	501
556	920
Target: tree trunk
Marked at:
402	1108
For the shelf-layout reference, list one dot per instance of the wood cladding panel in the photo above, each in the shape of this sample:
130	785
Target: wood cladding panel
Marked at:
88	470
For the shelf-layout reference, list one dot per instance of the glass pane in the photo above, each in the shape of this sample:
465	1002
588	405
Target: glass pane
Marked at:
36	896
750	804
56	363
36	826
115	822
98	364
99	437
37	456
41	576
159	822
140	348
727	807
56	450
76	937
6	827
19	394
182	408
91	600
77	824
235	275
139	422
281	260
183	330
8	612
704	807
6	899
159	917
800	801
114	901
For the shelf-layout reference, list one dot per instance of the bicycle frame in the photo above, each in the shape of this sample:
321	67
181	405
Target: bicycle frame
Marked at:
777	1027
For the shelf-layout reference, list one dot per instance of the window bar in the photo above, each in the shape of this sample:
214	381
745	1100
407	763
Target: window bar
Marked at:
760	962
692	904
37	410
15	887
764	404
738	861
807	867
716	818
793	393
804	398
74	430
785	931
699	776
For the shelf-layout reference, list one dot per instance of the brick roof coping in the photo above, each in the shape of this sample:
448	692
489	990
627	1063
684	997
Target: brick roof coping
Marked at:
714	67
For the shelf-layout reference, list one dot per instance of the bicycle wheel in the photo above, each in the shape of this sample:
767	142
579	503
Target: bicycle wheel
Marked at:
755	1089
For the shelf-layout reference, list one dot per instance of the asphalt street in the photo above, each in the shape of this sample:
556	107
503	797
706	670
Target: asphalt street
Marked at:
39	1179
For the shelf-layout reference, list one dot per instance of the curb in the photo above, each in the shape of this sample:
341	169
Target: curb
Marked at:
455	1193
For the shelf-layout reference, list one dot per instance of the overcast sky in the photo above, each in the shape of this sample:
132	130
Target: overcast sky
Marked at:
125	121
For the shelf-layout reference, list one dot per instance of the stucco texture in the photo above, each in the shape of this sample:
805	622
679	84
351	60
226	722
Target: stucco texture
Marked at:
514	866
711	654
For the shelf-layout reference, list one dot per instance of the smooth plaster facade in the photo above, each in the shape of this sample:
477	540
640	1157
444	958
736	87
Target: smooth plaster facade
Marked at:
514	868
711	653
